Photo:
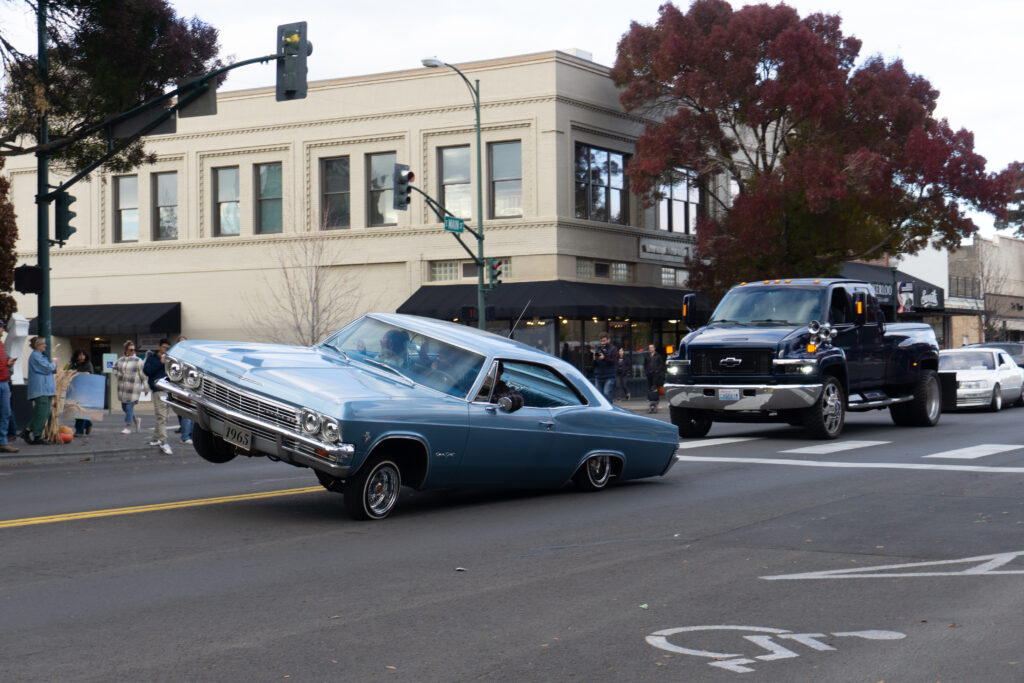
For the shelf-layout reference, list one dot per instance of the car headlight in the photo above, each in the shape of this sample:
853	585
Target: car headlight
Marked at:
330	431
973	384
310	421
174	369
193	379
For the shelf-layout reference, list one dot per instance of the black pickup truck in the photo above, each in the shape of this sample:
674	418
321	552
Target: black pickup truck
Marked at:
802	351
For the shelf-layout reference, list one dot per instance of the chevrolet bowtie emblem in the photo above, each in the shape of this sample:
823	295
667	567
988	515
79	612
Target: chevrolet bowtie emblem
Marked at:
730	362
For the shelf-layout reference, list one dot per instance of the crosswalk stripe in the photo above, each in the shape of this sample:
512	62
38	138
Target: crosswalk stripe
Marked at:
854	465
700	443
979	451
834	447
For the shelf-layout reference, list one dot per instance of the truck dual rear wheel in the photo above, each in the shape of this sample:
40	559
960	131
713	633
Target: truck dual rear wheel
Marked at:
825	419
926	408
692	424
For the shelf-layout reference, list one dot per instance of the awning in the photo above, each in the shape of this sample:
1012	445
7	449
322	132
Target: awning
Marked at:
108	319
549	299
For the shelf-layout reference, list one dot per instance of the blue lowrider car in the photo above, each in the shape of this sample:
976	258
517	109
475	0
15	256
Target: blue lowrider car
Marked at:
396	399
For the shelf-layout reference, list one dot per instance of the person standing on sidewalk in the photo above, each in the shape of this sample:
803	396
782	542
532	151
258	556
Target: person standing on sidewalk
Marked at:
185	423
130	385
654	370
606	358
41	390
80	363
623	369
154	370
5	396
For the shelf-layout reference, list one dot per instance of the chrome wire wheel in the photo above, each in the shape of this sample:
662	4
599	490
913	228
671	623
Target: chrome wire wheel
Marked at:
381	490
595	473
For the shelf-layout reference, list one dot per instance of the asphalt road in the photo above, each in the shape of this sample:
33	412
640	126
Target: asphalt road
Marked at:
747	562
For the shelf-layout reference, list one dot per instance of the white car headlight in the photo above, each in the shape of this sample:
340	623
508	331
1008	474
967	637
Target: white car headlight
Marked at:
974	384
310	421
330	432
192	377
174	369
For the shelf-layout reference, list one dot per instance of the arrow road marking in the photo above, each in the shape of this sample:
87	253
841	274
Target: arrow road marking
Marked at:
982	564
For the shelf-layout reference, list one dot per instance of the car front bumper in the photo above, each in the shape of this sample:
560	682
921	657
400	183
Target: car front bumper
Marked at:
743	397
973	398
267	438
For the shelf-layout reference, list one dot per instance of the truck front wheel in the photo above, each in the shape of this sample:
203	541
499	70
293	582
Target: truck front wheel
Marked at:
692	424
926	408
825	419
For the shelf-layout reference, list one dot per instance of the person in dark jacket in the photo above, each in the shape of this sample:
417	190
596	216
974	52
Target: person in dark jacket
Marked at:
654	370
623	369
606	359
153	369
80	363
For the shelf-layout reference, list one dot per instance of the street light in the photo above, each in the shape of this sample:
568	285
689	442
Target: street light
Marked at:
474	90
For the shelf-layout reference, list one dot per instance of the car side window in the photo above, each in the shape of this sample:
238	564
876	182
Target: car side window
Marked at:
539	385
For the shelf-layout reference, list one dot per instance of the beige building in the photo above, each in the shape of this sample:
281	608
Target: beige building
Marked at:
199	241
988	276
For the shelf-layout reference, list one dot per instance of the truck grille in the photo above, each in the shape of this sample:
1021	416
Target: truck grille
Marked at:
250	404
724	361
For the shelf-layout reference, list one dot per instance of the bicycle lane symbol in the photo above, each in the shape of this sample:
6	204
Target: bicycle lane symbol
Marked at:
775	650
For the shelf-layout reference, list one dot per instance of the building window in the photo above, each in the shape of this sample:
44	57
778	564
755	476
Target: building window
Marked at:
966	287
380	170
126	217
587	269
679	207
506	161
470	269
455	188
674	277
600	185
165	206
268	198
334	188
444	271
225	192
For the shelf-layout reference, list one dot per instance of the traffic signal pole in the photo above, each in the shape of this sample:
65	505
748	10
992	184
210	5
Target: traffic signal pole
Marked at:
43	189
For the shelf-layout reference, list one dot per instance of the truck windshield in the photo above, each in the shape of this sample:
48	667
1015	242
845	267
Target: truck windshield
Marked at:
769	305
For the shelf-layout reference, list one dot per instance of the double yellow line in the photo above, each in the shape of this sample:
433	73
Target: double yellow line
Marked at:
113	512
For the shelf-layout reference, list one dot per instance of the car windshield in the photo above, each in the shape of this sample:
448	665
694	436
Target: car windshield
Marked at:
769	305
966	361
425	360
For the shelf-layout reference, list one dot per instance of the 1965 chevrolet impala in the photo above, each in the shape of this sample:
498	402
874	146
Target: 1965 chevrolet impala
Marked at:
394	399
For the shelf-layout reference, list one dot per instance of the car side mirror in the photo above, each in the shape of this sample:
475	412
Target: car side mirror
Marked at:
505	404
860	308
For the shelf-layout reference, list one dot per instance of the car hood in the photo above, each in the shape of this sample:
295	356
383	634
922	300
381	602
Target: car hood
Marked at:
739	335
305	376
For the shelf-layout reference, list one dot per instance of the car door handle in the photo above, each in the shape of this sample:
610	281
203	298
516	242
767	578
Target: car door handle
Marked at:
547	425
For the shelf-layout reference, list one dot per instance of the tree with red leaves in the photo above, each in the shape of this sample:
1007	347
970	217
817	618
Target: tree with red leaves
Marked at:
831	162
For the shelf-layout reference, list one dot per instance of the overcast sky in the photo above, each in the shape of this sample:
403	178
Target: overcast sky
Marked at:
971	51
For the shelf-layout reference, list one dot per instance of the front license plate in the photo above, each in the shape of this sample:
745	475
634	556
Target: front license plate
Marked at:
238	436
728	394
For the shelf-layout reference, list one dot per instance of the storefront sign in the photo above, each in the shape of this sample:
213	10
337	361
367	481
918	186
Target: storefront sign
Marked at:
665	250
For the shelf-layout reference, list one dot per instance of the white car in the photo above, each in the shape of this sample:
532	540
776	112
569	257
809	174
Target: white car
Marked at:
984	377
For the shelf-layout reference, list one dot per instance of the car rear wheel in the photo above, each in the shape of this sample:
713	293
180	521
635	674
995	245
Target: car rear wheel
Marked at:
373	491
692	424
594	474
926	407
825	419
997	399
211	448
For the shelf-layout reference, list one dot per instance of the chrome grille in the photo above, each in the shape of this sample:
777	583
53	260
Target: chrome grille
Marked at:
724	361
250	404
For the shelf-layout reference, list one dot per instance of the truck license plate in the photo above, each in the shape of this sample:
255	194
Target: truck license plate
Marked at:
238	436
728	394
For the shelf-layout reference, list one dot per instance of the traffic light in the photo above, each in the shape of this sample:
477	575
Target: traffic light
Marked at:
292	50
494	271
62	212
28	279
403	192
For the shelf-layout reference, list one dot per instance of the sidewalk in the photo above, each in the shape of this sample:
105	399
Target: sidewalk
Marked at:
106	438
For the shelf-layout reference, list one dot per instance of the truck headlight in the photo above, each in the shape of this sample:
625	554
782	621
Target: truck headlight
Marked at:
677	368
794	366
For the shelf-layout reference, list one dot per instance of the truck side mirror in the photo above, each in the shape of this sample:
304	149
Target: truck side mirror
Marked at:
860	307
689	317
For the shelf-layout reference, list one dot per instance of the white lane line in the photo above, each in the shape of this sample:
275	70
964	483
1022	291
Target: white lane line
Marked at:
979	451
834	447
854	465
699	443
